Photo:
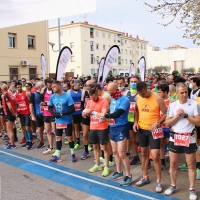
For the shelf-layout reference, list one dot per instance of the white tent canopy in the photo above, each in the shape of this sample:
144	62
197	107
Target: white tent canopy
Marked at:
16	12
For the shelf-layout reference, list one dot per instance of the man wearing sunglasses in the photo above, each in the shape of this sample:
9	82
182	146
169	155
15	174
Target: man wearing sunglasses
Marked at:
85	121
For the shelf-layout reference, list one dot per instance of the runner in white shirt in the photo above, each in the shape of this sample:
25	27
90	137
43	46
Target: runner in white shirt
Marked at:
182	116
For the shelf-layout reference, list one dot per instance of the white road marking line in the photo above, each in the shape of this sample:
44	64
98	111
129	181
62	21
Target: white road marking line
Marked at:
80	177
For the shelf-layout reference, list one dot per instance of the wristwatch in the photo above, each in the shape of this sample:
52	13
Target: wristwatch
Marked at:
158	123
185	115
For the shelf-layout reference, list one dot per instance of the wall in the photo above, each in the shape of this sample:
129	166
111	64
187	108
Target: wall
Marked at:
14	56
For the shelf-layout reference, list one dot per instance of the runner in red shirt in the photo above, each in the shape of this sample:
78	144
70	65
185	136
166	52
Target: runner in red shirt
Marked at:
9	107
22	99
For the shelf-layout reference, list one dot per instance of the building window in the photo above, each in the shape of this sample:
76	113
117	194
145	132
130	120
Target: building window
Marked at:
125	42
13	72
122	61
72	58
71	31
126	52
108	36
31	42
130	52
144	46
91	33
126	61
11	40
32	72
72	45
97	46
121	51
118	37
91	45
103	34
92	58
119	60
130	61
138	45
97	34
114	38
104	47
97	59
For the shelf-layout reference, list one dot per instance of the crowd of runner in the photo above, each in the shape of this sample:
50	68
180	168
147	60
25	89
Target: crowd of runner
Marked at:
158	117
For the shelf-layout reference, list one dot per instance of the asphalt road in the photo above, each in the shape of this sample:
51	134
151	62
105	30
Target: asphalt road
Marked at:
19	184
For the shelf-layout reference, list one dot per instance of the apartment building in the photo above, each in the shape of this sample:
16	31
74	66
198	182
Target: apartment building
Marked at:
89	43
21	49
176	56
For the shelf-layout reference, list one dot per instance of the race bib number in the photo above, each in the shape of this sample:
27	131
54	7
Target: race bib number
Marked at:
132	107
112	122
94	120
77	106
22	105
158	133
41	108
45	107
86	100
182	140
61	126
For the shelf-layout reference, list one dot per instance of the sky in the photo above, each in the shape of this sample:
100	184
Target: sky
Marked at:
131	16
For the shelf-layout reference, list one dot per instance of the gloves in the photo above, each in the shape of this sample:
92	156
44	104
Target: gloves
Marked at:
57	115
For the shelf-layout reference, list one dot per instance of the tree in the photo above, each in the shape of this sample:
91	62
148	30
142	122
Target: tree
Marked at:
191	69
160	69
186	10
175	72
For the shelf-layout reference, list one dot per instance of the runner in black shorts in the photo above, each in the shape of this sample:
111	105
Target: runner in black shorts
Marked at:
76	94
85	121
182	116
147	123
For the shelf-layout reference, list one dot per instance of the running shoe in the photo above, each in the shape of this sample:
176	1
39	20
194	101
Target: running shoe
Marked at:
24	145
29	146
135	161
127	181
7	143
90	148
5	137
23	140
116	176
143	181
183	167
197	174
84	155
66	142
158	187
192	194
111	164
49	151
128	154
171	190
77	146
163	167
95	168
106	171
55	159
74	159
41	145
9	146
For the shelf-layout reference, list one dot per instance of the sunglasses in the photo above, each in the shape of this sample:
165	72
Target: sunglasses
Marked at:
87	85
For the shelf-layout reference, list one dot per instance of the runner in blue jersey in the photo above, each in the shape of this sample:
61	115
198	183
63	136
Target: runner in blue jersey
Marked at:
119	132
63	105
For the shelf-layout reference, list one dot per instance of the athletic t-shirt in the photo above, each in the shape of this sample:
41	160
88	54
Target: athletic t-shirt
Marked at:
95	122
192	108
121	103
61	104
22	103
8	98
47	96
